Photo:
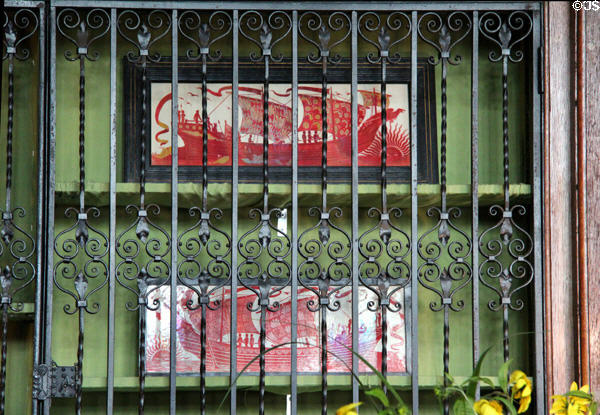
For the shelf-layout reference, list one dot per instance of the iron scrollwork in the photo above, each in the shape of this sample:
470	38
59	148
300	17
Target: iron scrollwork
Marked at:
324	269
445	269
205	248
81	243
384	247
264	248
17	246
506	246
143	246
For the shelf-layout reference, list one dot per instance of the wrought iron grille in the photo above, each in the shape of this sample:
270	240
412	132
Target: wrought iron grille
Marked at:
74	252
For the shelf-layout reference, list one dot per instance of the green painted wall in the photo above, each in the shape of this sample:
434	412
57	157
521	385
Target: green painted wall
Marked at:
97	173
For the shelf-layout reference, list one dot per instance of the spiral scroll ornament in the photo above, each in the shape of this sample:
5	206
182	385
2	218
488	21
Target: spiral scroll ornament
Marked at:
324	248
81	269
506	246
264	269
17	247
384	247
445	269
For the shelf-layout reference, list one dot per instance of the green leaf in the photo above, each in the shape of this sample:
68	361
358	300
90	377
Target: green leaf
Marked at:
579	394
508	404
472	388
403	411
594	408
461	408
379	394
485	380
503	375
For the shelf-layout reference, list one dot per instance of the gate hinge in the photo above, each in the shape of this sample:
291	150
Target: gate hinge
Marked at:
52	381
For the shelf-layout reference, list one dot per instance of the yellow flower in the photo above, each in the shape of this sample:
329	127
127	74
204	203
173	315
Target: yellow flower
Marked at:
485	407
577	405
559	406
573	405
348	409
521	389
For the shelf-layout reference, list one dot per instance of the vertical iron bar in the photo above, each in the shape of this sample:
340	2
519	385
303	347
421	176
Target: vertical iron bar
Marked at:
204	209
262	351
37	352
384	205
324	133
266	138
355	231
537	218
443	138
263	308
51	199
294	280
174	184
383	136
4	346
79	367
81	133
234	215
324	361
110	375
142	308
443	141
505	132
142	361
144	122
9	138
384	329
414	286
506	184
204	140
505	342
203	359
446	355
475	184
9	131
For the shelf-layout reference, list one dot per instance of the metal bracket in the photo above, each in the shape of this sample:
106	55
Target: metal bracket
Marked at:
51	381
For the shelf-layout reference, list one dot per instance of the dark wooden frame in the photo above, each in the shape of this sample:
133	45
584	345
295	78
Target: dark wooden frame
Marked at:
220	72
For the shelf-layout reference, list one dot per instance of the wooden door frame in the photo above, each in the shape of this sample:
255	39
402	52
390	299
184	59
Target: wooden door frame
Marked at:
571	196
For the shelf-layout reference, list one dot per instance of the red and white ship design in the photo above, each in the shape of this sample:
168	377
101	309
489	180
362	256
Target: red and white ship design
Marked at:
280	129
277	332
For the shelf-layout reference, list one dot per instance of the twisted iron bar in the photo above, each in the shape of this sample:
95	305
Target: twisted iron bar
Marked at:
317	31
82	32
16	245
395	272
264	31
506	254
144	266
457	273
214	271
4	356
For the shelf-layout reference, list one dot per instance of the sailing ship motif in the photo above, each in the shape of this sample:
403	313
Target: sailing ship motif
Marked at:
278	332
250	98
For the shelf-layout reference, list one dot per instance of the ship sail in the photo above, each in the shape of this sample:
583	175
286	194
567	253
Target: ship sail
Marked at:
280	119
373	98
340	124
